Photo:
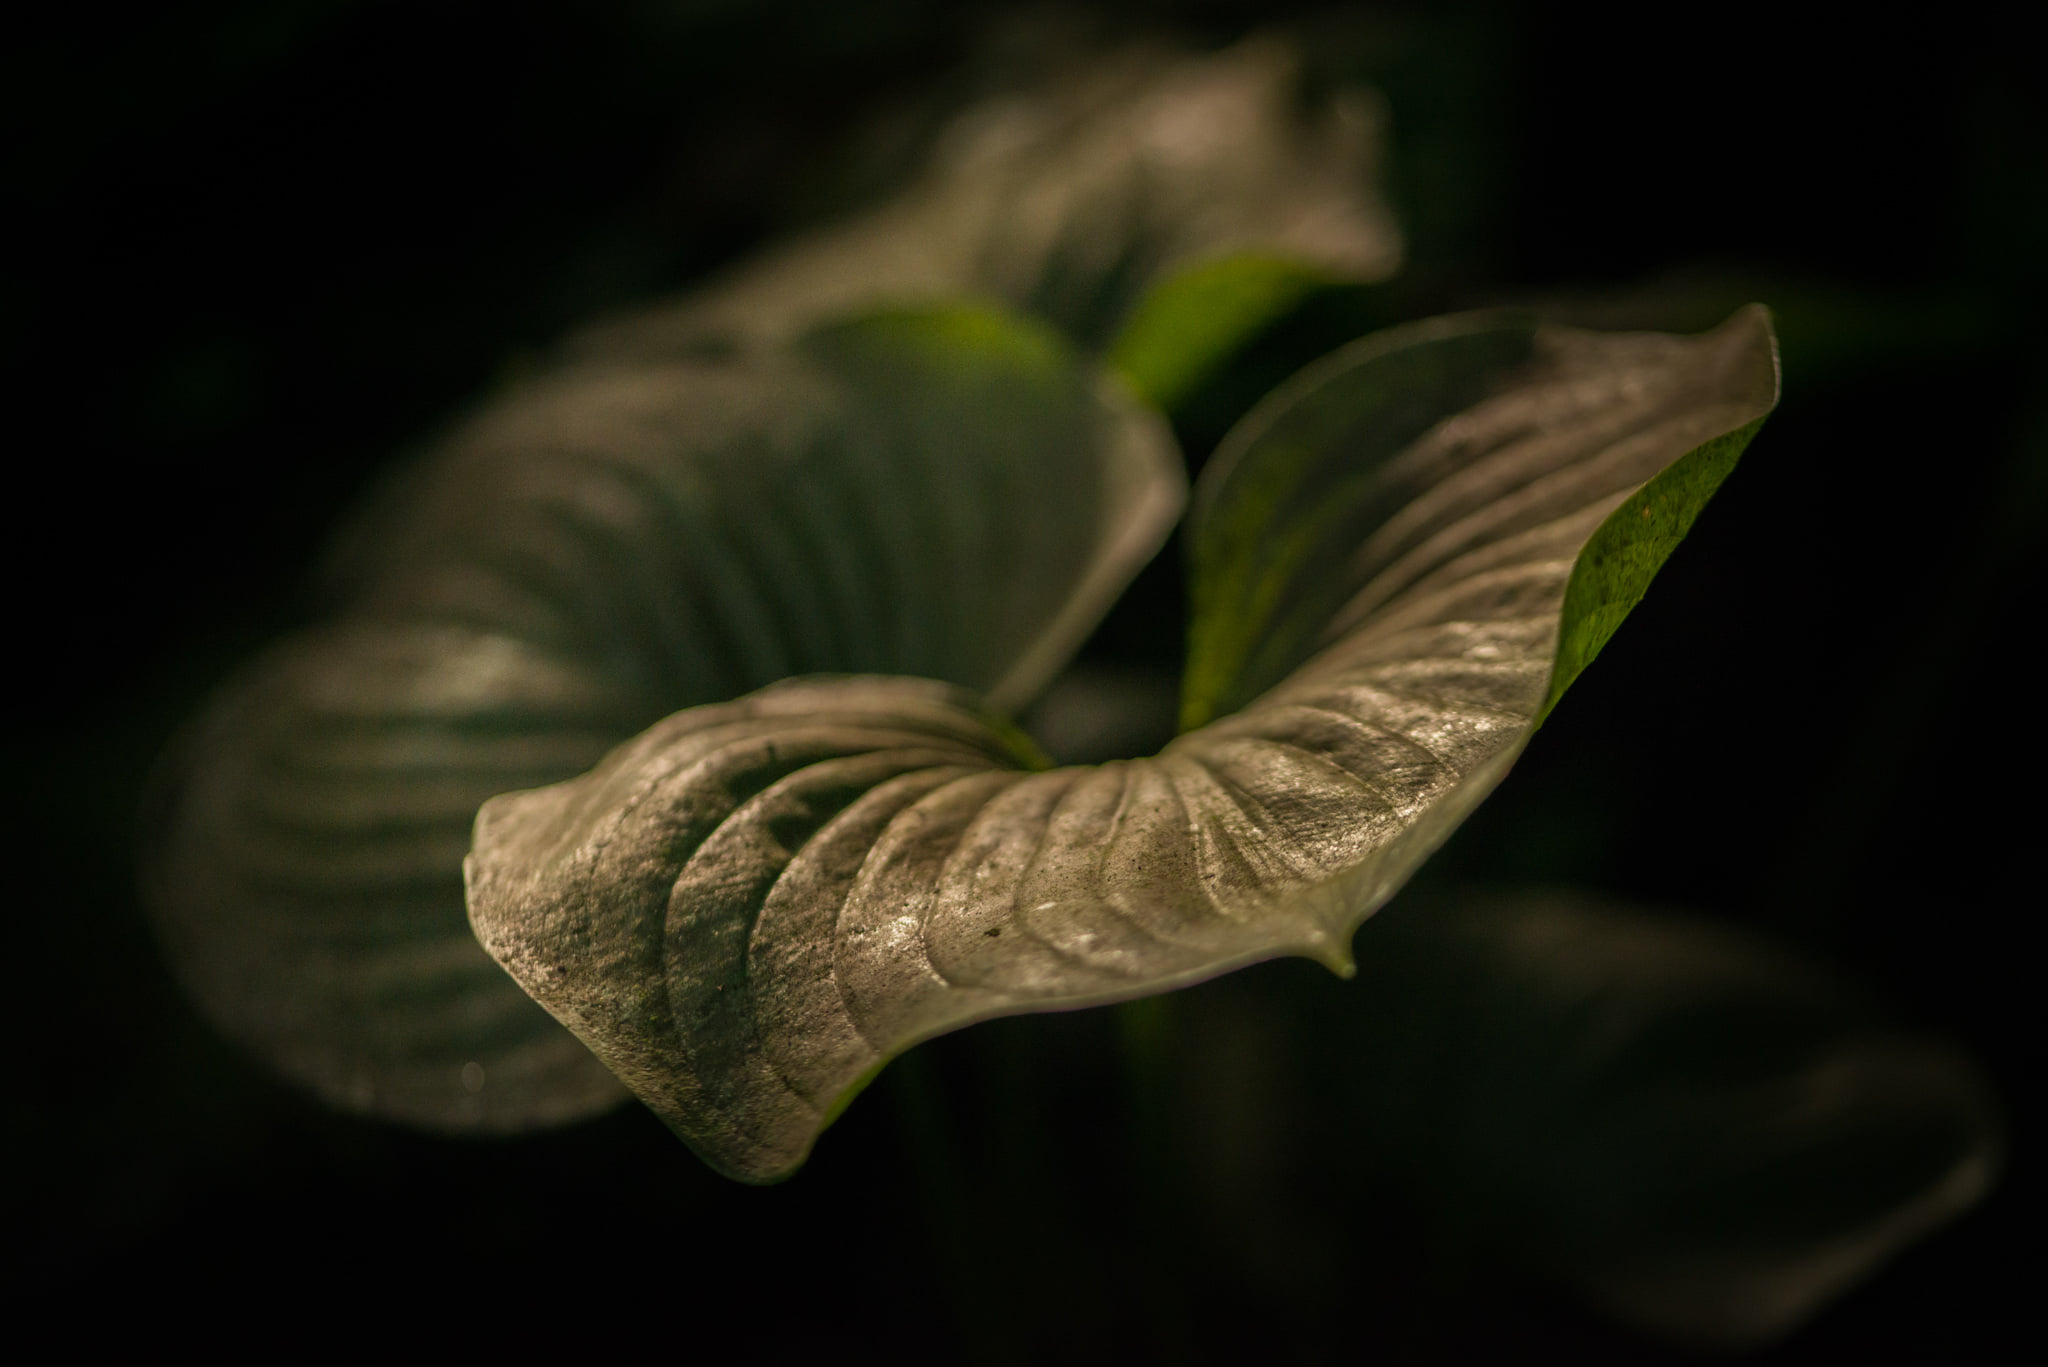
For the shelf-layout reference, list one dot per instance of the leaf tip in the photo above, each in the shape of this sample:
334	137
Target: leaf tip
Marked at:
1334	953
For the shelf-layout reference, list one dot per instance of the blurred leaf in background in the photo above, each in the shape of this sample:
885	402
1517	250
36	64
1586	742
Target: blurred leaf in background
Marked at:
265	247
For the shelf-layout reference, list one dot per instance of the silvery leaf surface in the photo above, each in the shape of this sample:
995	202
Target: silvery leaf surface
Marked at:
1400	562
1068	200
305	874
949	494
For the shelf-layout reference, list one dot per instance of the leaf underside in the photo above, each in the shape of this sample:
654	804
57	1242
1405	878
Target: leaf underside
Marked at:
751	907
947	493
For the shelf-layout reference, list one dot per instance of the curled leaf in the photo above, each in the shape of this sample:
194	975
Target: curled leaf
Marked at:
948	494
751	908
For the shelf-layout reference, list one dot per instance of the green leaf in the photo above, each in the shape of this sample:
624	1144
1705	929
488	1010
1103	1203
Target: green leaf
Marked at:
1068	200
1182	332
1469	454
748	910
945	493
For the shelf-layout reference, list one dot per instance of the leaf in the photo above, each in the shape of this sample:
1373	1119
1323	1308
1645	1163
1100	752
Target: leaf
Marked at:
1705	1135
1182	331
943	493
305	877
748	910
1066	201
1463	455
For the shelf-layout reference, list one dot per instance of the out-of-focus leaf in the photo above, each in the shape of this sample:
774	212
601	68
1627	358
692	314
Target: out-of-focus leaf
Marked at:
1183	331
751	908
1067	202
948	494
306	878
1095	712
1700	1132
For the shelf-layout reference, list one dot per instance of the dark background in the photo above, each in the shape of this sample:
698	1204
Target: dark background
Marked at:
264	246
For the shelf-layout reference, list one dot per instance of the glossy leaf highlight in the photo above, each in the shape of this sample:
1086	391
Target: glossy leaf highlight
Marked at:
750	908
945	493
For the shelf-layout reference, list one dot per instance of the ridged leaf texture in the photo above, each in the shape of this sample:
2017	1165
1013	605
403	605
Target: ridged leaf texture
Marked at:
1400	561
942	493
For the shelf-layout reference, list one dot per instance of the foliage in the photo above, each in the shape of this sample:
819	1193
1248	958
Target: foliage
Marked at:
751	900
751	907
